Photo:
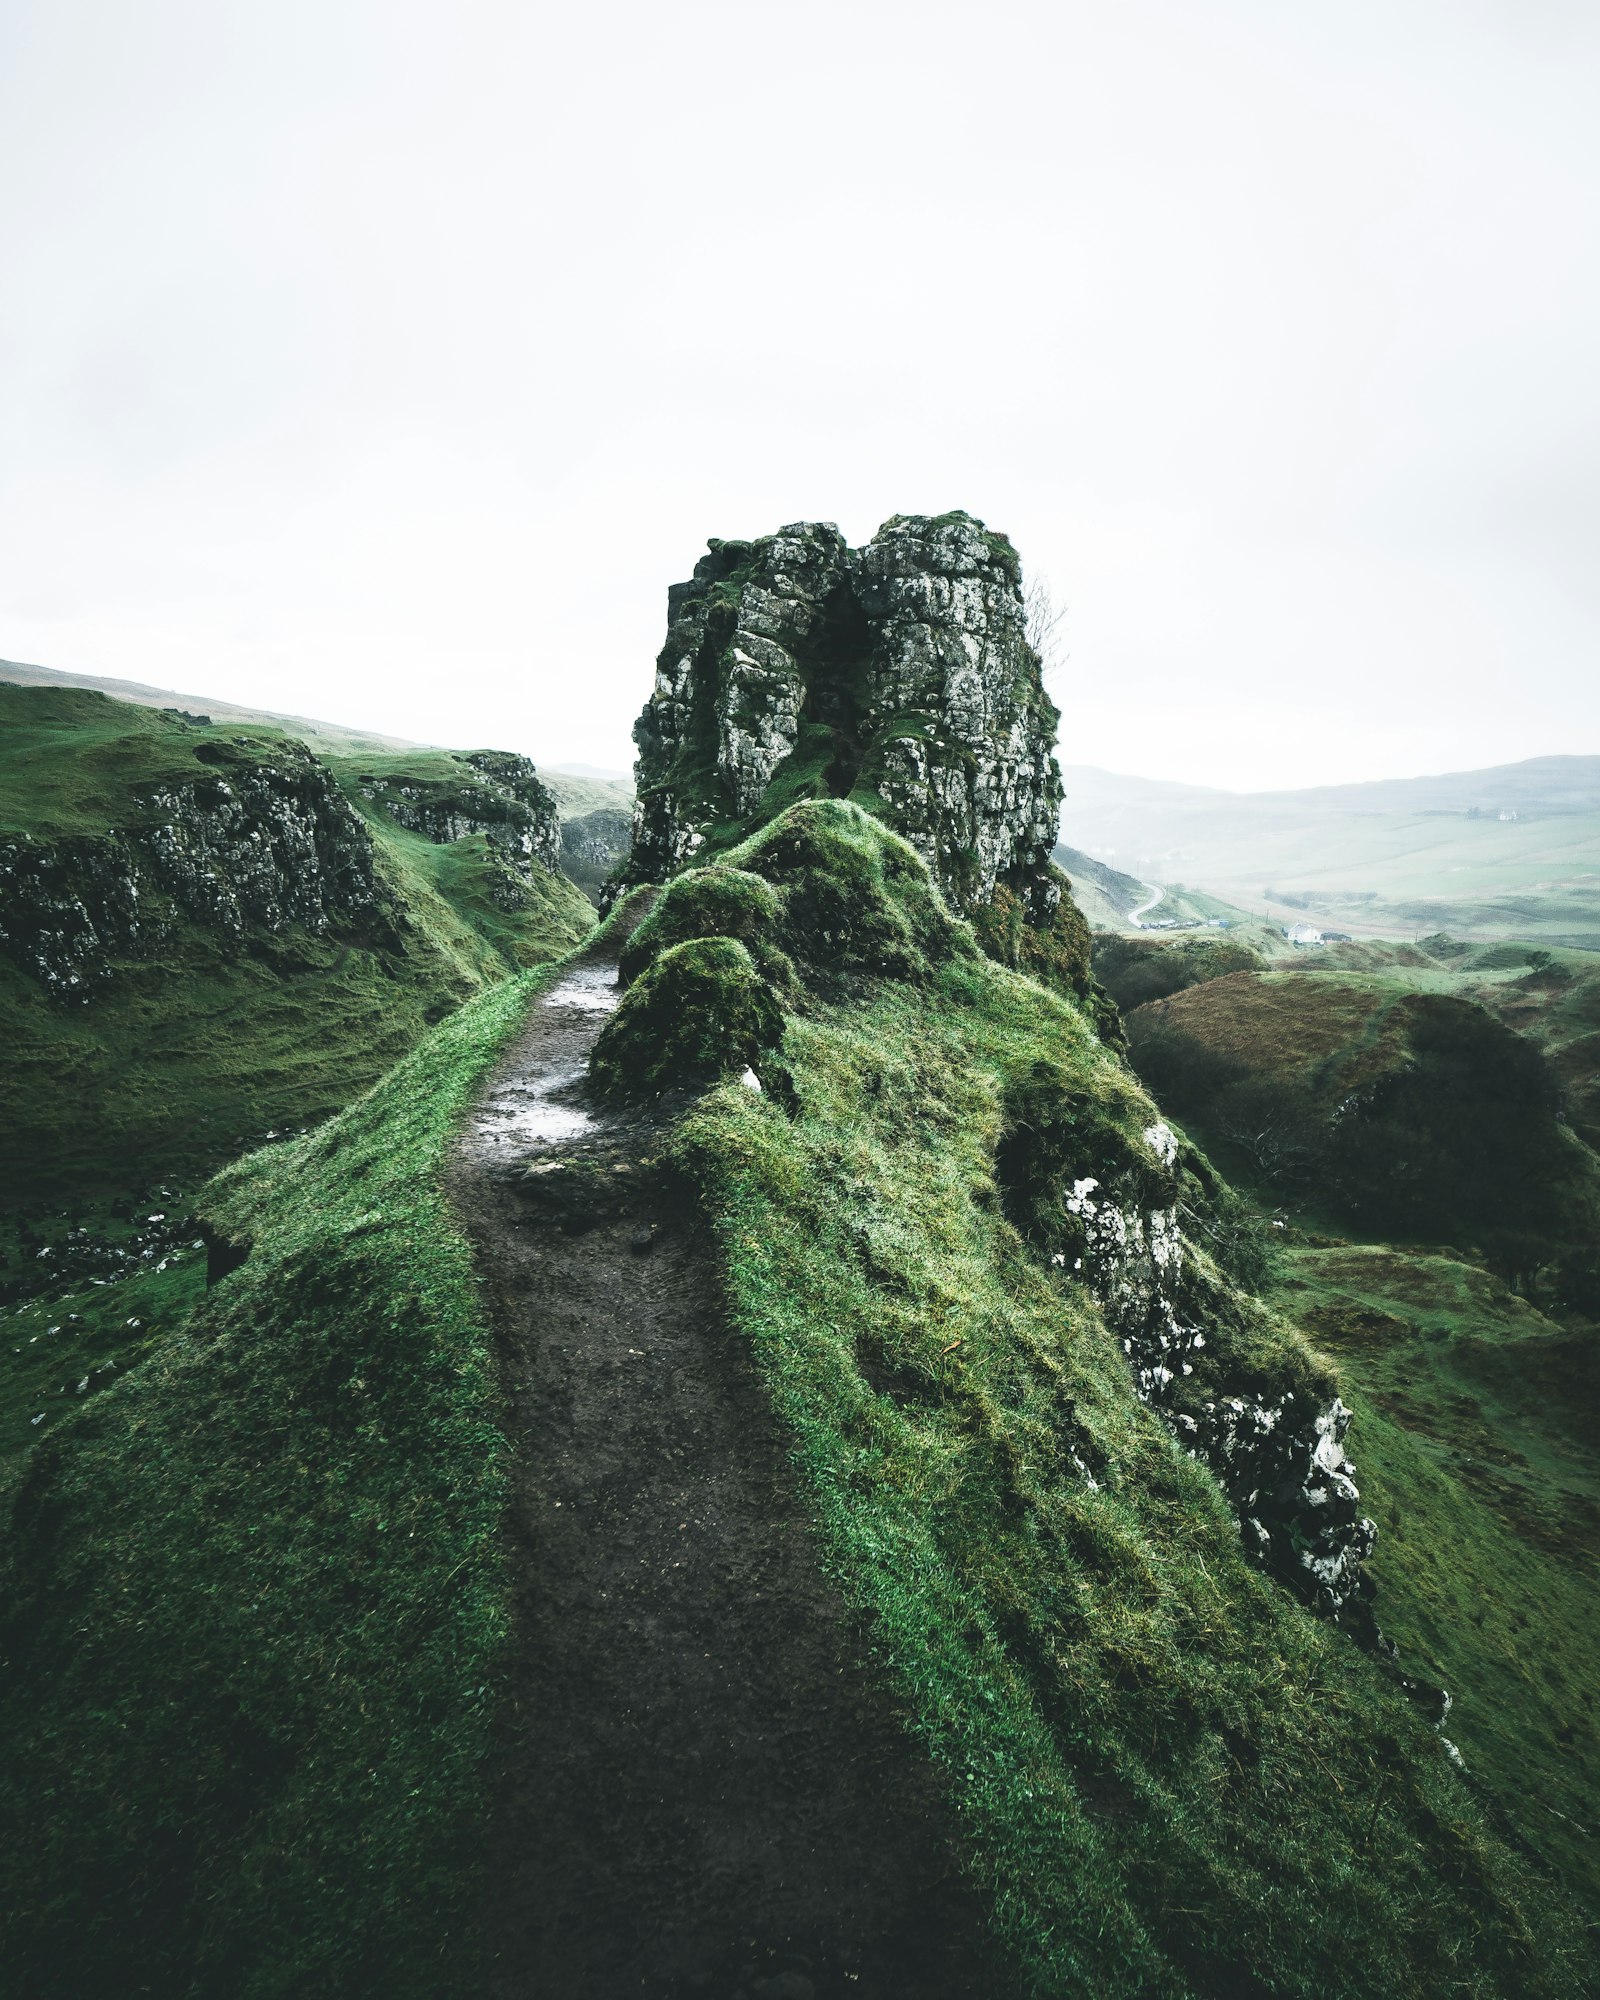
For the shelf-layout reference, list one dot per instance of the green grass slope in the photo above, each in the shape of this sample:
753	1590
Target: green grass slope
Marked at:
254	1595
1476	1417
1330	1090
253	1598
1174	1779
525	923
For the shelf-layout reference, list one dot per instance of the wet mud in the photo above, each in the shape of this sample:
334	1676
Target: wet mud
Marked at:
703	1790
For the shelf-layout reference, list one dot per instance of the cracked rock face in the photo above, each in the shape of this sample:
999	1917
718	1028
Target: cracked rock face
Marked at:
899	674
255	844
1279	1455
505	802
1105	1203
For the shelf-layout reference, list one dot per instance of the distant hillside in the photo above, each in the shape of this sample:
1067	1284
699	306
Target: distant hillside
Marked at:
1394	858
1105	895
323	736
579	789
577	793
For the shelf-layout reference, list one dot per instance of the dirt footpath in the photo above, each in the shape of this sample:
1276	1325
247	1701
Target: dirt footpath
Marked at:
704	1794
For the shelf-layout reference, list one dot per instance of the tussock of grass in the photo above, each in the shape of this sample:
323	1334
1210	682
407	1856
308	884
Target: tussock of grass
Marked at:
255	1599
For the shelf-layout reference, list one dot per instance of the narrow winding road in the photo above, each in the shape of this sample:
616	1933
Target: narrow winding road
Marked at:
703	1791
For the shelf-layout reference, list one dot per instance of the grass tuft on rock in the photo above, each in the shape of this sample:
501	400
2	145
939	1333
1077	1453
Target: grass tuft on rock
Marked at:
700	1011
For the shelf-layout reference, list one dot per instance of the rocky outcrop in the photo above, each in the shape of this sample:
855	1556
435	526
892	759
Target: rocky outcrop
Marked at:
252	844
498	795
594	846
1239	1392
899	674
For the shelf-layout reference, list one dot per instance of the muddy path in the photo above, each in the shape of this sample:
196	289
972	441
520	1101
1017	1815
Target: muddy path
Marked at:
703	1792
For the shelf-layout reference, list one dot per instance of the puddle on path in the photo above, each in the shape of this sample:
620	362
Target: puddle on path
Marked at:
591	989
541	1103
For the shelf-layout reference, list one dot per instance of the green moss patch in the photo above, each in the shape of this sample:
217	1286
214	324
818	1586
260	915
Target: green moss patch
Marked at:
699	1011
715	901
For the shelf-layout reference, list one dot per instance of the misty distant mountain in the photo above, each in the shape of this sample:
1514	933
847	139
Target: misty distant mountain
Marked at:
1510	851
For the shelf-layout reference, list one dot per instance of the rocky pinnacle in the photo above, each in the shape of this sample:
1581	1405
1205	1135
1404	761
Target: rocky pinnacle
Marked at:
899	674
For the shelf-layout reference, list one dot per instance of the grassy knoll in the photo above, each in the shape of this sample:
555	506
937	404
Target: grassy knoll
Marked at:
1413	1116
1550	995
1174	1780
253	1598
1475	1416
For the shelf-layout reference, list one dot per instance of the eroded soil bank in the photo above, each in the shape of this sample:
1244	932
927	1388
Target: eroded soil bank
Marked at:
703	1792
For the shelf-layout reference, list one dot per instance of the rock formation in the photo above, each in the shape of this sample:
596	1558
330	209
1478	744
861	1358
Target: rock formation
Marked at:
898	674
1240	1393
504	801
255	841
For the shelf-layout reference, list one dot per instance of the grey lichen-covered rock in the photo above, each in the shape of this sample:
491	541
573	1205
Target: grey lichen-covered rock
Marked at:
1241	1392
253	843
498	795
899	674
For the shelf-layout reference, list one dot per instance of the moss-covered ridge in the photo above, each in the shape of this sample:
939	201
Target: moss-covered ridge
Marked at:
1174	1778
826	901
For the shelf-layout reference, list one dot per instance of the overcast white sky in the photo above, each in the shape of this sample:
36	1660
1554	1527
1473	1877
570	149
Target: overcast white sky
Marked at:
386	361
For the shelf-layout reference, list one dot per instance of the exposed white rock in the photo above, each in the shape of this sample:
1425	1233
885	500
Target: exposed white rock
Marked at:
1282	1464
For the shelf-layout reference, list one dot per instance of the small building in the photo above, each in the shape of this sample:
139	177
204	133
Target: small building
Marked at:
1303	934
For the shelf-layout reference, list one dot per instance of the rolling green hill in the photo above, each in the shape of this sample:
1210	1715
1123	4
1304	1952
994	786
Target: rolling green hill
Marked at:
1512	852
